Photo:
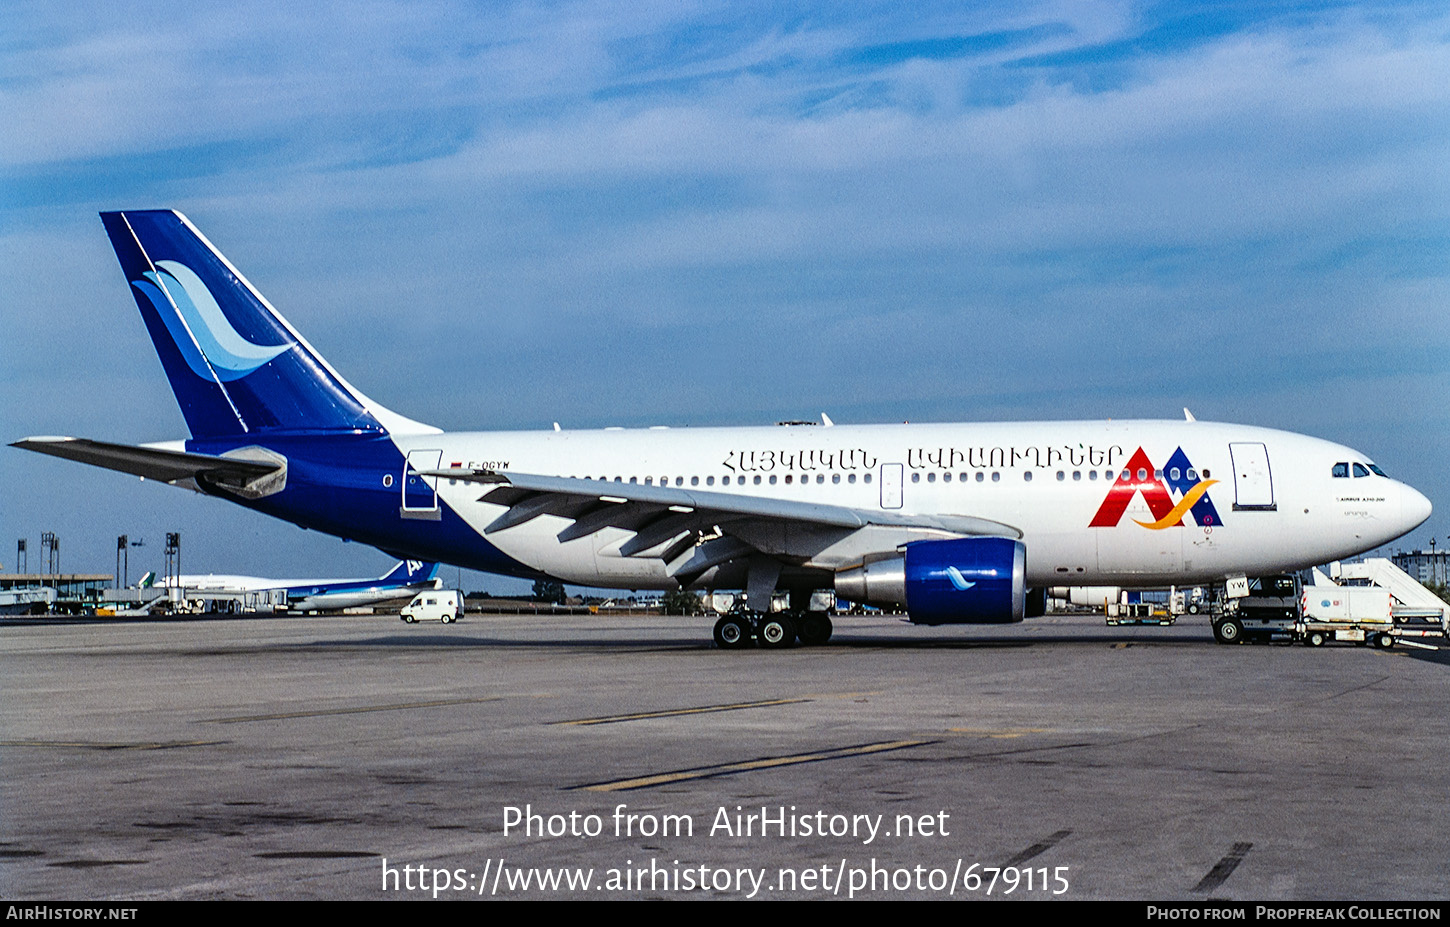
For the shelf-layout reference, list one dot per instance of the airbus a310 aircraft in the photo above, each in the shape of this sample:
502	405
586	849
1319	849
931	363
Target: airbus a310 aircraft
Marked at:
955	523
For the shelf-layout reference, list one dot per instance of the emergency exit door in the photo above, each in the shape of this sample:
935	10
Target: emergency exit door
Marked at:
420	493
891	485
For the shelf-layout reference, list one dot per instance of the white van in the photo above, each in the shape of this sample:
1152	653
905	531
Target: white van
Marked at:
445	605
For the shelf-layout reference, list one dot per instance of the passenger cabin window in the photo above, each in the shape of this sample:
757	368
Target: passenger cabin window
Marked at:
1341	469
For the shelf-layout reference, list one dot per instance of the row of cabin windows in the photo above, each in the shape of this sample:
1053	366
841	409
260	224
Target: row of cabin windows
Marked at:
737	480
1077	475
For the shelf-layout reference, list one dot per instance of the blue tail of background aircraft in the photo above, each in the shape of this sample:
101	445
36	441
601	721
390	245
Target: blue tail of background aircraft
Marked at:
408	572
235	365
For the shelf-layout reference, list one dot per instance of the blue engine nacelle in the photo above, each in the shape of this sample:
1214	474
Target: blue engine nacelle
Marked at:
961	581
966	581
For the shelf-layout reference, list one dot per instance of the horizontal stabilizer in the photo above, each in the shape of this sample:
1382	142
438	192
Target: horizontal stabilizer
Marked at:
152	463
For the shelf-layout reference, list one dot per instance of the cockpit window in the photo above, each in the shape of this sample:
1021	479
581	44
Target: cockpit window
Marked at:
1359	470
1341	469
1378	472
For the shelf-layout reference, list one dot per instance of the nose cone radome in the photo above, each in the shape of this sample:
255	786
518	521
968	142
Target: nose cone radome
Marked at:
1415	509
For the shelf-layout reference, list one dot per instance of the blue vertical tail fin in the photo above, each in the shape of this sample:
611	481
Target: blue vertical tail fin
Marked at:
236	366
411	571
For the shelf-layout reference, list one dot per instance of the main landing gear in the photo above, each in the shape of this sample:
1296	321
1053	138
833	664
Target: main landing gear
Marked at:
774	631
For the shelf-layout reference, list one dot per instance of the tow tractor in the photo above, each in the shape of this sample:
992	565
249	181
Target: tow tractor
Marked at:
1269	609
1282	608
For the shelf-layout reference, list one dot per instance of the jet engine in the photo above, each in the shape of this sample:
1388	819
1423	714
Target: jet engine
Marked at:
979	580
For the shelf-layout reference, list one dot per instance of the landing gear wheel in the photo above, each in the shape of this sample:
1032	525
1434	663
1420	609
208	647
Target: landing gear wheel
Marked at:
1315	639
815	629
1384	641
776	631
1228	631
732	633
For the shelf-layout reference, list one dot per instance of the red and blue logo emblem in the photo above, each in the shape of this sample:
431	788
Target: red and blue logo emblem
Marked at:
1170	494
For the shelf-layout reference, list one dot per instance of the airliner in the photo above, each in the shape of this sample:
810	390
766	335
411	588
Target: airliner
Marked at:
954	523
403	581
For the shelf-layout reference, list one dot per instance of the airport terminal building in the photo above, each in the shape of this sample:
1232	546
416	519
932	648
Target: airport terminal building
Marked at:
1427	567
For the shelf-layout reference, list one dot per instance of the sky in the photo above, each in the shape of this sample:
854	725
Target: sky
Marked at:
502	215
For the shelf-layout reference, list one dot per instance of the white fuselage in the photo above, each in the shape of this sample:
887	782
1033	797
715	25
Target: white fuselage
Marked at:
1276	501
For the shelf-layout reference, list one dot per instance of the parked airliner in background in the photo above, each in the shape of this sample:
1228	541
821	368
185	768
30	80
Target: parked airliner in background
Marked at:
955	523
403	581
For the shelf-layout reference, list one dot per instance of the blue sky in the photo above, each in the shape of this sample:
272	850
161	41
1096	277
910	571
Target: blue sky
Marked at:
495	215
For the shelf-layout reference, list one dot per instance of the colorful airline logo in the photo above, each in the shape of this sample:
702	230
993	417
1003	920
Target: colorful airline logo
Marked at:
959	582
212	348
1138	476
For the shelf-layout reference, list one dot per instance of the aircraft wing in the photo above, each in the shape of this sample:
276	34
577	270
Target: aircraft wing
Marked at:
692	529
154	463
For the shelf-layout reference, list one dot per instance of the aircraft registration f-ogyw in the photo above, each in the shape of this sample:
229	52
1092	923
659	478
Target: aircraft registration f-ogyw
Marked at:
955	523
